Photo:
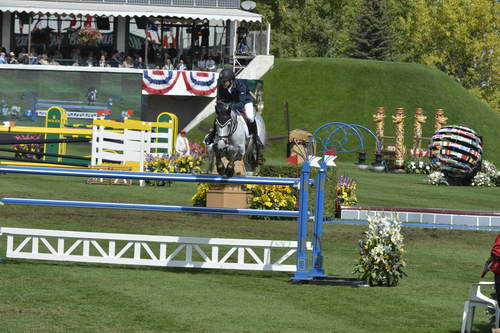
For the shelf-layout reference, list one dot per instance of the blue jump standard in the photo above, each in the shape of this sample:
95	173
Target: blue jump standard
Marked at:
167	208
179	177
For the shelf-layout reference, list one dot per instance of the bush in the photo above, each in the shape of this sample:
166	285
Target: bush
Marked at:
285	171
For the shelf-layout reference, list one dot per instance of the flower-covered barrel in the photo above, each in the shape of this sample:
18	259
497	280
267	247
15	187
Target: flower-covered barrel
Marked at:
457	152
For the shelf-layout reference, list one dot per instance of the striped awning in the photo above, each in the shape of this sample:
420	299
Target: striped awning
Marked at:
124	10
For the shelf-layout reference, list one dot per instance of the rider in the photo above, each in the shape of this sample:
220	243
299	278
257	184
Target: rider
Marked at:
236	92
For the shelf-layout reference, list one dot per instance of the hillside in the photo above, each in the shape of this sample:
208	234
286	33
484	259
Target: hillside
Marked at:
322	90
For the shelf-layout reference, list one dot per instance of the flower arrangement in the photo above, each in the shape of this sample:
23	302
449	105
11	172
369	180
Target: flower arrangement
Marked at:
200	197
23	149
346	191
483	179
418	166
173	164
489	169
199	150
437	178
381	254
89	36
270	197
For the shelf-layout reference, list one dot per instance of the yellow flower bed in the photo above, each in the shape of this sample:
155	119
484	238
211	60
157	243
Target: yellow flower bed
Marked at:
270	197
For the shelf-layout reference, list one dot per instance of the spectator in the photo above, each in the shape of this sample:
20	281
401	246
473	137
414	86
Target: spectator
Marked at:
3	61
128	62
75	56
103	62
33	59
89	61
181	66
139	63
12	59
202	64
168	65
44	59
182	144
493	264
211	64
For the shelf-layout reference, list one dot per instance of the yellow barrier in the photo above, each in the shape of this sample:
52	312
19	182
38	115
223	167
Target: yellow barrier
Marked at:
48	165
45	130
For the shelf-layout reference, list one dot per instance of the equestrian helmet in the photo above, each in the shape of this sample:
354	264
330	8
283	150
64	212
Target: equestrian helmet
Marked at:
226	75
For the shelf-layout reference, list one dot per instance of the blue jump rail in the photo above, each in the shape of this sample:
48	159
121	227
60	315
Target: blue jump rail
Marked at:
148	207
178	177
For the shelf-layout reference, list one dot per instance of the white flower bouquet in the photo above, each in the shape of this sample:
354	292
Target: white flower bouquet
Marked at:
437	178
418	166
381	254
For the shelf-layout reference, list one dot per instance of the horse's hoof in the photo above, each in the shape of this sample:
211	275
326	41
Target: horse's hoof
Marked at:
221	170
229	172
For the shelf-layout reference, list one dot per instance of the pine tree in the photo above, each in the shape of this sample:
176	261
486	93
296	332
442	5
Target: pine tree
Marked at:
371	37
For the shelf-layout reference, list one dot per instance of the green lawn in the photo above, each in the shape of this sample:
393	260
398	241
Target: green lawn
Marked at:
57	297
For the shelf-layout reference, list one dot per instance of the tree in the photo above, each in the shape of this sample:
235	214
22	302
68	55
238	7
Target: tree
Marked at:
371	37
308	28
459	37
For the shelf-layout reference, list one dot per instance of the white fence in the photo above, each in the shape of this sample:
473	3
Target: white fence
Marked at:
147	250
129	145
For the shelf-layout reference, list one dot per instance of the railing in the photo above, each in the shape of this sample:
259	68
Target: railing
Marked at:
148	250
174	3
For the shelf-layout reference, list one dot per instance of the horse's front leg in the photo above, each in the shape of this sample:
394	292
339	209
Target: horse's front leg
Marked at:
218	162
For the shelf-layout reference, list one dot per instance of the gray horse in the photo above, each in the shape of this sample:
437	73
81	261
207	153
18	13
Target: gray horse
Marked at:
233	141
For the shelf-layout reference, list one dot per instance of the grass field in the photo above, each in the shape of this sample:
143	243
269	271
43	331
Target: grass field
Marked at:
60	297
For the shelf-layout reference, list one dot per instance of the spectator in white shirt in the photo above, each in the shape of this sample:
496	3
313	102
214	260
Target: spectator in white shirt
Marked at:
211	64
181	66
182	144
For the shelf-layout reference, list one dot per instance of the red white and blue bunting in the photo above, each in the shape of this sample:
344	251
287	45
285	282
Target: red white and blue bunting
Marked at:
159	82
200	83
163	82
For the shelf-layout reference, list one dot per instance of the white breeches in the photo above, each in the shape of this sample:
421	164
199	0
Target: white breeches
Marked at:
250	112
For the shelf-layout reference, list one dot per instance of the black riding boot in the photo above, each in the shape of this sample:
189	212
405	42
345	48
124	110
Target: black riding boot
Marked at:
258	144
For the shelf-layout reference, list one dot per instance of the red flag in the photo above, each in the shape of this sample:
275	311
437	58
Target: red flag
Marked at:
292	159
88	22
73	21
130	112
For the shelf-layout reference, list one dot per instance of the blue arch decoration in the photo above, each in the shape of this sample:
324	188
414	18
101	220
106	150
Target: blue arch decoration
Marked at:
329	140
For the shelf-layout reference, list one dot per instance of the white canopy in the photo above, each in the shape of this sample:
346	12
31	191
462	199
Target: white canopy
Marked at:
124	10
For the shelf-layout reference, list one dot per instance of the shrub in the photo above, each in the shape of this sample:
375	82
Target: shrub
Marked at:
285	171
381	253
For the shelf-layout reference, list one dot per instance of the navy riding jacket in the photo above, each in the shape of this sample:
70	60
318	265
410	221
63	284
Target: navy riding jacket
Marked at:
237	94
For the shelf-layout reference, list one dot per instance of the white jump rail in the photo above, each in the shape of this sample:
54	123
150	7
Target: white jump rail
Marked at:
150	250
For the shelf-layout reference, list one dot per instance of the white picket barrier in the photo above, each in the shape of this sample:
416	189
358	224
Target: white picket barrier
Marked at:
149	250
